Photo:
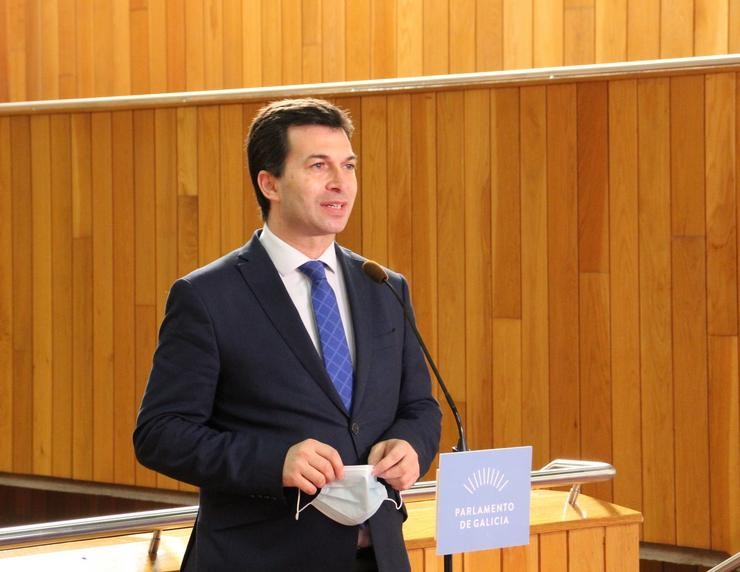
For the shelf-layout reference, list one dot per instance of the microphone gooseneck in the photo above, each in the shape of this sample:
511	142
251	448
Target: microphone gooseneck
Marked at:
378	274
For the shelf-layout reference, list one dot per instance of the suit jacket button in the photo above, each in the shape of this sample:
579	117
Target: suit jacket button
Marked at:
355	428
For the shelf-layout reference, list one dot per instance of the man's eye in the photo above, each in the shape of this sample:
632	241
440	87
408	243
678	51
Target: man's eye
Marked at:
350	166
318	165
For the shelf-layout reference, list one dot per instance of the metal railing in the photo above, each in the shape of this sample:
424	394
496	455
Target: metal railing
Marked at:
732	563
560	472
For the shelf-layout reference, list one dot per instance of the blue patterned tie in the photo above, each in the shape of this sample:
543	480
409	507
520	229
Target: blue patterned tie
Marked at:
334	346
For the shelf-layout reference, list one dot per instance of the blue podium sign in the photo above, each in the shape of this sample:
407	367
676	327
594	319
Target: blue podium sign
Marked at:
483	499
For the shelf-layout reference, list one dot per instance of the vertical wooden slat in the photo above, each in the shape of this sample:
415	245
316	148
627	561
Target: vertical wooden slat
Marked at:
535	348
655	311
176	46
374	195
622	548
67	50
711	26
6	299
548	33
311	37
49	62
61	212
514	559
724	435
383	41
103	49
478	298
82	293
292	41
505	204
103	298
42	294
4	52
562	242
554	551
643	26
462	48
357	39
209	175
610	36
351	237
158	25
141	53
165	161
518	35
213	44
721	207
451	276
507	382
624	292
84	48
333	40
194	46
232	171
578	36
436	37
120	66
689	310
586	549
488	560
124	321
410	28
15	25
144	258
400	206
677	30
489	33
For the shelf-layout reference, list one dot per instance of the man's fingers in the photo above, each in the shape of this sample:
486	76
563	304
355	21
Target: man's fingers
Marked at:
392	455
311	464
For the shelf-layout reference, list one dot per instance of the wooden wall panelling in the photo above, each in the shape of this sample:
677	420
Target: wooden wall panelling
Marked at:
554	551
7	304
689	310
562	255
643	30
488	560
593	260
232	171
410	46
124	318
724	435
4	52
61	222
311	40
141	53
478	293
165	190
144	258
677	30
518	35
711	26
400	220
333	40
82	295
187	190
103	300
382	48
548	29
157	24
734	35
610	35
625	293
535	347
41	421
292	42
84	72
374	184
655	310
194	46
436	37
579	32
489	35
586	549
462	46
352	234
506	267
209	175
176	46
721	210
213	44
49	61
450	263
357	39
66	17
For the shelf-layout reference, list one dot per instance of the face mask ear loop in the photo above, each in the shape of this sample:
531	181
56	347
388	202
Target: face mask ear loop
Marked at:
397	505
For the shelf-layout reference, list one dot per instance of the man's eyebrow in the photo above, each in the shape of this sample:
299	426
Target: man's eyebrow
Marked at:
324	156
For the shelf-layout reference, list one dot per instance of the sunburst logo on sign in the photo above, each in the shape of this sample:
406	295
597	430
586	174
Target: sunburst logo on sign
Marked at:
487	477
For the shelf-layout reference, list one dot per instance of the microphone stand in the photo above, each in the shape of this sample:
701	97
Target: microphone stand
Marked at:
377	273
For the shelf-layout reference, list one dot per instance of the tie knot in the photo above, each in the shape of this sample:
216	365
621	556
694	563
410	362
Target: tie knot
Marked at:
314	269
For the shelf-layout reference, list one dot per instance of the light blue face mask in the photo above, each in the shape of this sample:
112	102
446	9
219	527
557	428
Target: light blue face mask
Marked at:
352	499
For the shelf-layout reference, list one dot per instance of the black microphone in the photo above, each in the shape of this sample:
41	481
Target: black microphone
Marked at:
378	274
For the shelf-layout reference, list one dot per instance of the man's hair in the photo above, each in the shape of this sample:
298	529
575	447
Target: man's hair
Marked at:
267	142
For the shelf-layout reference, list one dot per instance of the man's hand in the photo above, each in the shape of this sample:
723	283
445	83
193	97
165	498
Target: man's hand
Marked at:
310	465
395	461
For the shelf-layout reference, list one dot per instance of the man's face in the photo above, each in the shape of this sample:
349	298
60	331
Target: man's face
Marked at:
312	200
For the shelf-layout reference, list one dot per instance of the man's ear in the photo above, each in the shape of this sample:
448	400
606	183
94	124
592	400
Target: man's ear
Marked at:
268	184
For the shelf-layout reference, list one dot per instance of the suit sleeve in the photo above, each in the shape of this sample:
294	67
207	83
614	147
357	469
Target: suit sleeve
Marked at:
173	434
418	419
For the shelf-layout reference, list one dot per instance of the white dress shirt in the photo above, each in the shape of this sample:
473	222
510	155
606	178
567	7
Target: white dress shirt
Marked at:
287	260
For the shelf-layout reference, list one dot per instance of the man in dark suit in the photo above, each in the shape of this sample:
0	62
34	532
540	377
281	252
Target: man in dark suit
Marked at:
245	397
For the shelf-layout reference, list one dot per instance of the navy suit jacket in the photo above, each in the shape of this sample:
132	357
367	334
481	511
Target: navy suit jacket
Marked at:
236	381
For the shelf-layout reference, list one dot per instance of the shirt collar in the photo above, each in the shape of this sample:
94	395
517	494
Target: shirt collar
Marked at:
288	259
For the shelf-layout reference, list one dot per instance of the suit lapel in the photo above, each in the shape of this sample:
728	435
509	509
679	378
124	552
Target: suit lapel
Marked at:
263	280
358	293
